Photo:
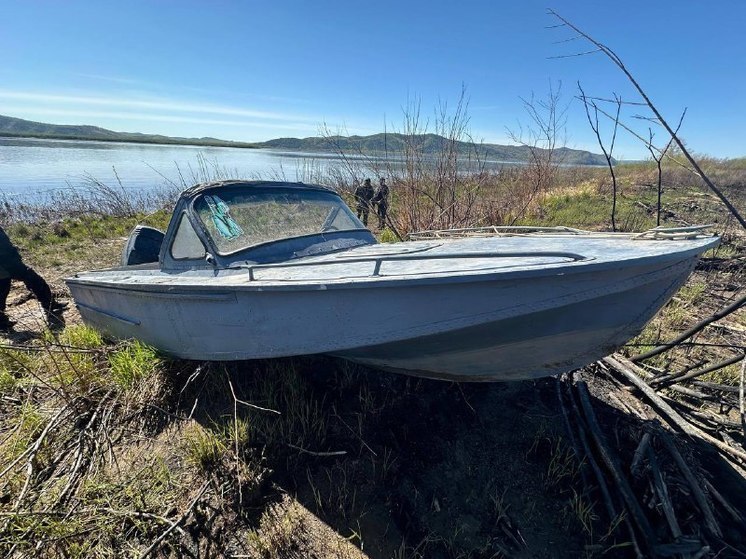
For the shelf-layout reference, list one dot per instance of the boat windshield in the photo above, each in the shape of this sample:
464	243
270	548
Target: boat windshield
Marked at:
237	219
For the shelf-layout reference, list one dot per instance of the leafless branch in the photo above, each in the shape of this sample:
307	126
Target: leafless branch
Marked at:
576	54
618	62
608	154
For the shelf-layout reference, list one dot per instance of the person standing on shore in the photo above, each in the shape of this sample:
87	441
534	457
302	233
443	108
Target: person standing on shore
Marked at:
363	196
382	199
13	268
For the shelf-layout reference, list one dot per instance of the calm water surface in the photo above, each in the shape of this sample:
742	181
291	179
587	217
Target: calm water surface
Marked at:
30	167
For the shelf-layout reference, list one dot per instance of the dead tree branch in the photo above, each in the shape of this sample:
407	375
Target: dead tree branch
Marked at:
694	374
699	496
611	55
658	156
629	370
734	306
612	463
741	400
607	153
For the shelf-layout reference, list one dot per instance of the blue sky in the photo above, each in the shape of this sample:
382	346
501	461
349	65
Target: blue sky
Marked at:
255	70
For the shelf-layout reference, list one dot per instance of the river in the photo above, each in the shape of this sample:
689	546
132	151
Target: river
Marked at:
30	168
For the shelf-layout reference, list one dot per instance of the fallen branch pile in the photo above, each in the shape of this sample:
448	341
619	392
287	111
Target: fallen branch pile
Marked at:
659	498
65	488
680	493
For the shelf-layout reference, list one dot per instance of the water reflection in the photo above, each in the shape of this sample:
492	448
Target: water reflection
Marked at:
31	167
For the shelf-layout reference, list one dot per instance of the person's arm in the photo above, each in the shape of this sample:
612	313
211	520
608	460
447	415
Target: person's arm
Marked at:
7	249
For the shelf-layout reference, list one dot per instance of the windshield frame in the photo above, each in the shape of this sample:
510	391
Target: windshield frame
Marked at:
312	192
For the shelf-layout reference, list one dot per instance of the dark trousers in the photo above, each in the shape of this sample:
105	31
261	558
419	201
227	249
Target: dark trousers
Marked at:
382	209
34	282
4	291
362	211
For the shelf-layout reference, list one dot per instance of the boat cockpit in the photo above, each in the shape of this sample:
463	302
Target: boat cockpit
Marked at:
217	225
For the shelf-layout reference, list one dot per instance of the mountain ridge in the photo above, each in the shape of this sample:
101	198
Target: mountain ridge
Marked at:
374	144
20	128
427	143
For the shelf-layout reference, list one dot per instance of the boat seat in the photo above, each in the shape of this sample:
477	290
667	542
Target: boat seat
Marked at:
143	246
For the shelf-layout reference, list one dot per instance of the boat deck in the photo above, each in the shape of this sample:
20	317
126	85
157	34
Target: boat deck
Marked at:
443	259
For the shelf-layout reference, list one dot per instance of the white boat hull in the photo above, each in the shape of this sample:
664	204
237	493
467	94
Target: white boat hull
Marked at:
479	327
533	345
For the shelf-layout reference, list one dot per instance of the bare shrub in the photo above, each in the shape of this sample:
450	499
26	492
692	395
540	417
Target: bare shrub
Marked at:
608	153
544	133
688	160
435	170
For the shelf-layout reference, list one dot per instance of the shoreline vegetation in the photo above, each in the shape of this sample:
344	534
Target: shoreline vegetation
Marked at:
110	449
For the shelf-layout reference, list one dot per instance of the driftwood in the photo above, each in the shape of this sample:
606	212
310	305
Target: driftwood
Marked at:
694	374
612	463
662	491
685	391
603	486
317	453
734	306
713	419
728	439
635	467
627	368
665	375
697	492
571	435
716	386
741	400
724	503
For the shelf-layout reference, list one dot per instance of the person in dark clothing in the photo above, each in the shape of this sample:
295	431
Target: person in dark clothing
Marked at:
13	268
382	199
363	196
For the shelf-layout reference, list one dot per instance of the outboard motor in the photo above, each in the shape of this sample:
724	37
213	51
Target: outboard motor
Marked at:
143	246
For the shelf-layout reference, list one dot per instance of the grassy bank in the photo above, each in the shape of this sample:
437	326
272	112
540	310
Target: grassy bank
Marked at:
108	449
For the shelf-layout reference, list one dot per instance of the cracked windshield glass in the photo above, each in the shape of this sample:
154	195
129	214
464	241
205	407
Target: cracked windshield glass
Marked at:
243	218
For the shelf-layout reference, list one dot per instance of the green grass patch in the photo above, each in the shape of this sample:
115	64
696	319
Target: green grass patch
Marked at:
692	292
203	448
27	421
89	241
387	236
730	375
132	363
7	381
81	337
587	209
76	230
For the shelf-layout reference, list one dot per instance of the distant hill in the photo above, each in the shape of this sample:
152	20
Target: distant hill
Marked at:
17	127
375	144
429	143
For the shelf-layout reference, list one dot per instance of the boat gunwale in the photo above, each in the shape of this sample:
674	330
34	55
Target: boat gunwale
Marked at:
378	260
363	282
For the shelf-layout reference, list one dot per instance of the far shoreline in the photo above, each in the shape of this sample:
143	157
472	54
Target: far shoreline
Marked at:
146	141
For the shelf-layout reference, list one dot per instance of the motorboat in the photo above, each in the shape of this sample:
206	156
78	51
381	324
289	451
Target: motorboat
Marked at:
258	269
